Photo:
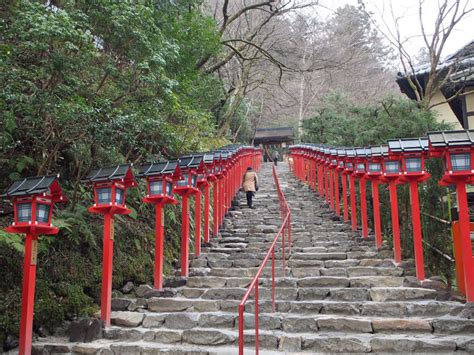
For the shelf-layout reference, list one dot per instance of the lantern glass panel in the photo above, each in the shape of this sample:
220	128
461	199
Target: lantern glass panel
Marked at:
361	167
333	162
119	196
42	213
374	167
23	212
391	167
104	195
341	164
183	182
413	164
156	187
194	180
461	162
349	166
169	188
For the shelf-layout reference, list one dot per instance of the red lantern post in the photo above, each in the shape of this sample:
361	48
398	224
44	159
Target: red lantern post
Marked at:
391	167
374	174
33	203
412	153
359	173
334	174
210	177
185	188
321	181
223	177
313	175
457	150
216	191
349	170
327	177
160	178
110	187
341	157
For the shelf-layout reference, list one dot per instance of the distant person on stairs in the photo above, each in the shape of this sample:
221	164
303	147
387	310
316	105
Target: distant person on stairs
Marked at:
250	185
275	157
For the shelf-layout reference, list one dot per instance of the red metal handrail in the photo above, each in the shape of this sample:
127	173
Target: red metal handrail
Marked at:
286	225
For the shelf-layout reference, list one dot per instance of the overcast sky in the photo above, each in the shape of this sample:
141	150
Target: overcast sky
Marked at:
409	25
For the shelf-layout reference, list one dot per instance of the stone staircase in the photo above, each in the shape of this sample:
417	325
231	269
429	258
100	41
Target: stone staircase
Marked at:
338	293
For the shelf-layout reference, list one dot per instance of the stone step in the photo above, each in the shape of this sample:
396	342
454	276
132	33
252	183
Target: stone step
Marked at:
424	308
338	294
218	341
295	323
247	272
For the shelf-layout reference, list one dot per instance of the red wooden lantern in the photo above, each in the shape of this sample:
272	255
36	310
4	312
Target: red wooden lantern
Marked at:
360	161
457	150
160	177
186	187
33	202
110	188
412	153
110	185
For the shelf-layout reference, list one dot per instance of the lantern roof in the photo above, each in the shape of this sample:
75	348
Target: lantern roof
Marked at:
119	172
333	151
224	154
451	138
341	152
208	157
350	153
36	185
216	156
408	145
379	151
191	161
159	168
362	152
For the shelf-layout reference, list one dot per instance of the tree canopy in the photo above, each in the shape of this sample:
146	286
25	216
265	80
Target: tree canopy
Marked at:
99	82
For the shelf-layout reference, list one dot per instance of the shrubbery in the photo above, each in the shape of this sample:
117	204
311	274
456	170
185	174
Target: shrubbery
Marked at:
341	122
87	84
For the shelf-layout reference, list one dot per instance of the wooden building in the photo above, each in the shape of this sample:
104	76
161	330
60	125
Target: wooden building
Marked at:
280	137
457	74
272	139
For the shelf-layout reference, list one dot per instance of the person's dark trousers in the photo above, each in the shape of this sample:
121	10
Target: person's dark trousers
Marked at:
249	198
275	161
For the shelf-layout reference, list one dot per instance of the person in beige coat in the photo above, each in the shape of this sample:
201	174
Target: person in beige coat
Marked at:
250	185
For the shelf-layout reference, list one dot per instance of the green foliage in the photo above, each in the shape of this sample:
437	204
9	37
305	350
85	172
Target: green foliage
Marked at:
342	122
87	84
15	241
95	83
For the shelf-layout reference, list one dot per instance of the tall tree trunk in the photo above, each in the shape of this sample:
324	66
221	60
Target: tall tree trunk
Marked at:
301	105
